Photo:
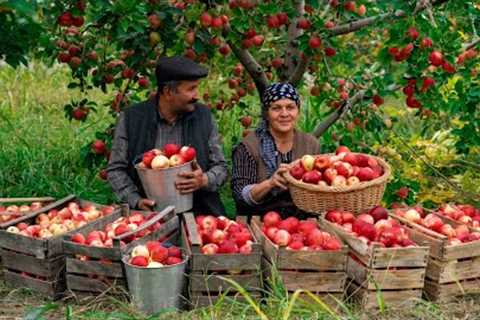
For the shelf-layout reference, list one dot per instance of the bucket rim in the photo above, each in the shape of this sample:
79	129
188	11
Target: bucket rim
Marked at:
165	266
137	167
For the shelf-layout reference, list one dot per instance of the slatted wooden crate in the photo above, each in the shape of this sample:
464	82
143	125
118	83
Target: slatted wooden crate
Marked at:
93	270
8	201
452	270
38	264
320	272
206	271
396	272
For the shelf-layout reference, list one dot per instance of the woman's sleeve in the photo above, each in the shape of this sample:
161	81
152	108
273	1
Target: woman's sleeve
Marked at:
244	174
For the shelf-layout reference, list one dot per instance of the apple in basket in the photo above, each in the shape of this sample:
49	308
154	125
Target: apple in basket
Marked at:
155	255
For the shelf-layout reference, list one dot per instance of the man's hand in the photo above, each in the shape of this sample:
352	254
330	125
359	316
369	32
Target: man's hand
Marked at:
189	182
146	204
277	179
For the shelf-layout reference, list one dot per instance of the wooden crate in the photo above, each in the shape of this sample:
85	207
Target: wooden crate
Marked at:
320	272
38	264
378	257
6	201
385	279
369	299
394	272
104	268
447	292
452	270
206	271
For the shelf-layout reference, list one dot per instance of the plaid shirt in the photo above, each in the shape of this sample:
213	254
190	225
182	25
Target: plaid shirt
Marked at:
244	174
121	182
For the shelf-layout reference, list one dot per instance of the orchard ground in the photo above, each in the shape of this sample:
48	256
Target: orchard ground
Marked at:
40	156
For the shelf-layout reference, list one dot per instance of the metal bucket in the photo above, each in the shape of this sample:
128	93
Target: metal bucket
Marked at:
154	289
159	185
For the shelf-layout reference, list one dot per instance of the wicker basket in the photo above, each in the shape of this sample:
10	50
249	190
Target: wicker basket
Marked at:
357	198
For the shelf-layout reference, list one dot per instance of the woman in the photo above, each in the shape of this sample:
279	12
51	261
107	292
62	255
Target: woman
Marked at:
261	158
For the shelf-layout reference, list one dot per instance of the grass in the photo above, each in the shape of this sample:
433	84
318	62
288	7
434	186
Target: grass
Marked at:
40	155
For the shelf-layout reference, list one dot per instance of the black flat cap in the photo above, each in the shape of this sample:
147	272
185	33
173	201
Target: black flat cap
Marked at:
178	68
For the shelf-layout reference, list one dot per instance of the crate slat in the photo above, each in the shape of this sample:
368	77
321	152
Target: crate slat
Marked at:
385	279
368	299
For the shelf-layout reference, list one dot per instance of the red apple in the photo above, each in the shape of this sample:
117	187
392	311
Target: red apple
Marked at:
139	261
282	238
159	254
378	213
209	223
78	238
342	149
210	249
366	174
174	251
332	244
188	153
329	175
334	216
322	162
295	245
367	218
348	217
228	246
350	158
271	219
170	149
312	177
339	181
176	160
307	226
241	238
297	171
271	232
217	236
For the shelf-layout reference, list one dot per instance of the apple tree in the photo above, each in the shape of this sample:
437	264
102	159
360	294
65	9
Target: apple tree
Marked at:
347	56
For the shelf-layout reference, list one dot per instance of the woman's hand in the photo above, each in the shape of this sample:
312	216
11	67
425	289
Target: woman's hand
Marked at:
277	179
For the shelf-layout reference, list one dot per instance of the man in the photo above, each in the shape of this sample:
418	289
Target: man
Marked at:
174	116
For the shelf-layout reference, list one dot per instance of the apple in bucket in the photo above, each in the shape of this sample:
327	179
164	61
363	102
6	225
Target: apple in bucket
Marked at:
171	155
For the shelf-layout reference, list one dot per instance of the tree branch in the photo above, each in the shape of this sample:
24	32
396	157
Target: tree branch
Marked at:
361	23
292	52
248	61
297	75
471	45
337	114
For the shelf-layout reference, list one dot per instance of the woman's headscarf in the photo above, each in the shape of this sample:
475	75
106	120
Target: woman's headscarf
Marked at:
272	93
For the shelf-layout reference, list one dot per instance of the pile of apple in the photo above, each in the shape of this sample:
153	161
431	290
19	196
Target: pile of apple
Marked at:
463	213
170	156
374	226
58	222
154	255
13	212
433	222
342	169
298	235
222	235
103	238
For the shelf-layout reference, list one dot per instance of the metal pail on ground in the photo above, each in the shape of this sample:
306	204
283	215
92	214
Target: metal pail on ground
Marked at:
153	289
159	185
